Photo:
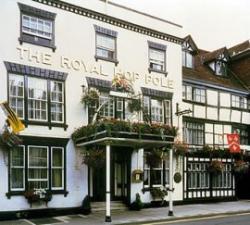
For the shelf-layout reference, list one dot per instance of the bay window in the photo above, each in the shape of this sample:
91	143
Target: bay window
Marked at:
37	101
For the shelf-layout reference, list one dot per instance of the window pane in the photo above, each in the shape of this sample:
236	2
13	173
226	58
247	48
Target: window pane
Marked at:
156	110
17	168
57	104
57	157
57	180
38	157
16	94
157	59
105	46
37	99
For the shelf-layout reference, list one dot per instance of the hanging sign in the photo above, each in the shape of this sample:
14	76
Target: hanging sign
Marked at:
233	143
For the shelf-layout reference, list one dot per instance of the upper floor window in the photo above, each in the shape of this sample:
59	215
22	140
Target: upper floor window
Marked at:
194	133
193	93
35	99
243	133
187	55
220	68
37	105
106	44
240	102
157	110
157	57
37	26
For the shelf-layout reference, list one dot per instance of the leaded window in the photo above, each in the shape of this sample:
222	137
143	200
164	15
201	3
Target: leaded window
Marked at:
243	133
223	179
240	102
194	133
198	176
193	94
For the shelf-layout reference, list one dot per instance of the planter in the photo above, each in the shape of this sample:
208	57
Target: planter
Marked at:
158	193
38	195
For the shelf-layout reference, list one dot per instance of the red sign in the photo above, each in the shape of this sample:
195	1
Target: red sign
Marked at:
233	142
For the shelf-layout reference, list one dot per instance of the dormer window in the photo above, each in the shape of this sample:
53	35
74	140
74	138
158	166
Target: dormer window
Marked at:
187	55
220	68
219	64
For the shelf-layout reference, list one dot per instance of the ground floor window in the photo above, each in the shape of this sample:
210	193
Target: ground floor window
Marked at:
37	167
198	175
224	179
157	175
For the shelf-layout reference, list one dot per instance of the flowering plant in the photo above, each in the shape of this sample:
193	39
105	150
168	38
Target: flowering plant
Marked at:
91	96
240	166
180	148
120	83
36	195
216	167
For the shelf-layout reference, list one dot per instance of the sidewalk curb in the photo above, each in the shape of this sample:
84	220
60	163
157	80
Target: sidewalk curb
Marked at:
186	217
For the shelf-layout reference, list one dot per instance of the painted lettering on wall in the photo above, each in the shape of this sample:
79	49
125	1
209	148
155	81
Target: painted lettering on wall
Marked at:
80	65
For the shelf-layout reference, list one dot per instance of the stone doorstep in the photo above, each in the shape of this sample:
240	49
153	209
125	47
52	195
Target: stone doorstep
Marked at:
114	205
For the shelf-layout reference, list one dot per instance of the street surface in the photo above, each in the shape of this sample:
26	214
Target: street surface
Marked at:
238	219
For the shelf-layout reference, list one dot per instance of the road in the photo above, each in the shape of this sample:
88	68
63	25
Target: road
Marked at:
237	219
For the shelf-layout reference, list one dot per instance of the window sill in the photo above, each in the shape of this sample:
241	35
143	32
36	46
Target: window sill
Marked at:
47	124
240	109
194	102
106	59
157	71
21	193
32	39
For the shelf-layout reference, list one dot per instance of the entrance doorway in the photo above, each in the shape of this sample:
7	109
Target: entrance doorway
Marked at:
119	177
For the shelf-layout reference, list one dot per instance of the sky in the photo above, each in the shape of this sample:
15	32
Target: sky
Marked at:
212	23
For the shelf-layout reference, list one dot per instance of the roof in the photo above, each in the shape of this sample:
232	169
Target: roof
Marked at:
239	48
210	56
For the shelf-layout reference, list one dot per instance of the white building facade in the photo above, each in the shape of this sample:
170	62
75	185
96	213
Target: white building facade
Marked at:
50	52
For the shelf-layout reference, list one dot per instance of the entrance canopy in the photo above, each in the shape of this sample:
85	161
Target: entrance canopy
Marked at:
122	133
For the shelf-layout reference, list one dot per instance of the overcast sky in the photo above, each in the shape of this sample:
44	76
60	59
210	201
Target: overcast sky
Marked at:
212	23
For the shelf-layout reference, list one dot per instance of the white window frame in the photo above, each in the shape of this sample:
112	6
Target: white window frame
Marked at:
156	61
36	30
40	100
104	48
62	168
18	167
56	102
28	166
16	96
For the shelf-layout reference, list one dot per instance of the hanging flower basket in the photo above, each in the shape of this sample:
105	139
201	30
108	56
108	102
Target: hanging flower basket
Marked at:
216	167
180	148
120	83
91	97
135	105
94	158
154	157
240	166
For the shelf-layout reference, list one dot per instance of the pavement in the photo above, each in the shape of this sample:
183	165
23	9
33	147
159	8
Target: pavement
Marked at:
143	216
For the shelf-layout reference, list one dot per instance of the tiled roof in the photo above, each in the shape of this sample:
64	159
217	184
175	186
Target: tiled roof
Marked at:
214	55
239	48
